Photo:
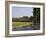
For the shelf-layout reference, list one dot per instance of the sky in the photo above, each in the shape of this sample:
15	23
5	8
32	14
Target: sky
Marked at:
21	11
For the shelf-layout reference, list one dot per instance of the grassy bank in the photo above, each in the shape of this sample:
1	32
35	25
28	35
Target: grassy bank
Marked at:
17	24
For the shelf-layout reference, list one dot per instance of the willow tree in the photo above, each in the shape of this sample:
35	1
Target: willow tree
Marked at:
36	16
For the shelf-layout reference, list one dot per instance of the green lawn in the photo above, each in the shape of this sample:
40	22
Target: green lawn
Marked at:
17	24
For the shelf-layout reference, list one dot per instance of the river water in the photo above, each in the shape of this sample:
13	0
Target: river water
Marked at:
28	27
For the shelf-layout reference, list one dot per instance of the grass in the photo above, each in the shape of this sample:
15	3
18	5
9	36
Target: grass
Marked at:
17	24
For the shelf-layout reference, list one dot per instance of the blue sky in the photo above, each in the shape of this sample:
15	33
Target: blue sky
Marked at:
21	11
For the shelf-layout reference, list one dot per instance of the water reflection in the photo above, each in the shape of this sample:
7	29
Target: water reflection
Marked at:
27	27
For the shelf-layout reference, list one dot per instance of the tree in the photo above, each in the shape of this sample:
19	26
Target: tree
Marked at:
36	16
25	16
31	18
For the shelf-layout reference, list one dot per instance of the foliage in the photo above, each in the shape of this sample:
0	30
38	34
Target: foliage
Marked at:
36	15
23	19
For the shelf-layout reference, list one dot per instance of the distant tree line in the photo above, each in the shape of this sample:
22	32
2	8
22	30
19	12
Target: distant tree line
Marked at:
23	19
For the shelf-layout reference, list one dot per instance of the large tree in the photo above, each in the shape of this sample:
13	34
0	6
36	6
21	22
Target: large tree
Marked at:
36	16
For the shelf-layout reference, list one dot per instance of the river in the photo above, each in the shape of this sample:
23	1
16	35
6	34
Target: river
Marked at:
28	27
